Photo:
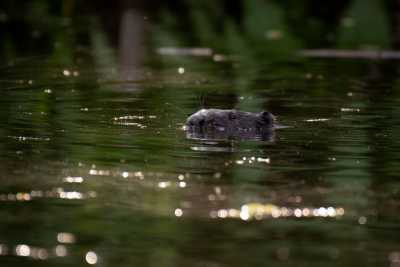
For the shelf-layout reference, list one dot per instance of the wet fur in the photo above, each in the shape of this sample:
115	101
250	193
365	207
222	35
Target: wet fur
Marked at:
229	123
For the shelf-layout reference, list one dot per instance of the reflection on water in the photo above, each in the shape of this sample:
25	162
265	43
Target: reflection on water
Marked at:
259	211
96	173
41	253
225	134
54	193
95	183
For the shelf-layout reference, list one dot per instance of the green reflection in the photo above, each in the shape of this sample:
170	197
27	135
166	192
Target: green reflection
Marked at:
65	77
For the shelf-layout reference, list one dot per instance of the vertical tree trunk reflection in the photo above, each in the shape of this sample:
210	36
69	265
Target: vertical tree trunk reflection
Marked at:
131	43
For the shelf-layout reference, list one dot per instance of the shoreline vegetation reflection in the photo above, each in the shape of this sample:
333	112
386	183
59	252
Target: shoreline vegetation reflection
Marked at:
95	166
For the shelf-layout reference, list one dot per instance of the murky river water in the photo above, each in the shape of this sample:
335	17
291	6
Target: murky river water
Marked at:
96	169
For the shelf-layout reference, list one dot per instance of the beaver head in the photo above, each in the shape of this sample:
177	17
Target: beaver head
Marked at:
229	124
221	119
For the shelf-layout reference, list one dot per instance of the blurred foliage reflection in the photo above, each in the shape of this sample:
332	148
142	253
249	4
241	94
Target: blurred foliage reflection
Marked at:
95	167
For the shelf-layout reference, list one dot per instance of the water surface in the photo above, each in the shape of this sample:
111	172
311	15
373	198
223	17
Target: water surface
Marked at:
96	169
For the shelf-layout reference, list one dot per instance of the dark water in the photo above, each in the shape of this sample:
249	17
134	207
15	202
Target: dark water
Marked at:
95	168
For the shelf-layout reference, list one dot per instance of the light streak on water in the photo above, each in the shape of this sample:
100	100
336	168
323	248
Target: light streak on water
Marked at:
139	125
350	110
134	117
54	193
258	211
30	138
70	179
317	120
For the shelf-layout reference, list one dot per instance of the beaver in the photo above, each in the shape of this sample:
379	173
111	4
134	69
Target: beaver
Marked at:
229	123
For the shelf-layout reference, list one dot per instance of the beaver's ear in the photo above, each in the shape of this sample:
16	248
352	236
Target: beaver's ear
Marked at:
267	117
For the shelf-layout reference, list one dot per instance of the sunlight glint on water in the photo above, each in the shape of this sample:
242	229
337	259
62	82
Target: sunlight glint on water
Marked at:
110	169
